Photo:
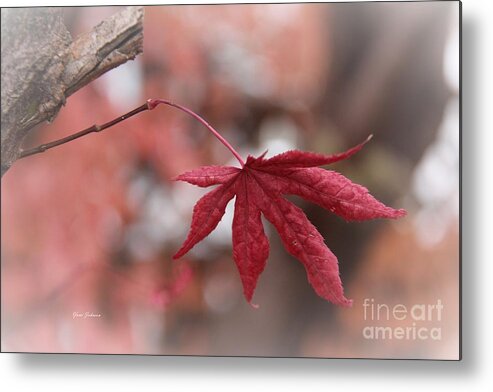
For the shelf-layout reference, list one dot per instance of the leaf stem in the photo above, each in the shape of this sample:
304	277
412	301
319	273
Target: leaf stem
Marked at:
149	105
152	103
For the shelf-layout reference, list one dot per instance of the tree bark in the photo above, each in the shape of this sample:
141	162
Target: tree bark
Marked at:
42	65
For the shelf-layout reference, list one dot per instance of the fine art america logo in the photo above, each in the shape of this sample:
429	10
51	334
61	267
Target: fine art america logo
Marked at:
401	322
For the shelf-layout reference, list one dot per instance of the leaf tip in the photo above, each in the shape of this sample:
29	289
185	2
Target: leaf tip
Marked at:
262	156
248	293
400	213
346	303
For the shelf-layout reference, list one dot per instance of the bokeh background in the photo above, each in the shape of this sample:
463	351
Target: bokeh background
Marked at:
91	226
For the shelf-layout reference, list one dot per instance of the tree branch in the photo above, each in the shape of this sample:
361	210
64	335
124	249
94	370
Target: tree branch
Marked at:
42	66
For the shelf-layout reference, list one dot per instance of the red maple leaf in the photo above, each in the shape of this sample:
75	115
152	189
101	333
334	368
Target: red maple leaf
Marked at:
259	187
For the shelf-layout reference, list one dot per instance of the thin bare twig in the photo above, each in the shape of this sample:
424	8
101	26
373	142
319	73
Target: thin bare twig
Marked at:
94	128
